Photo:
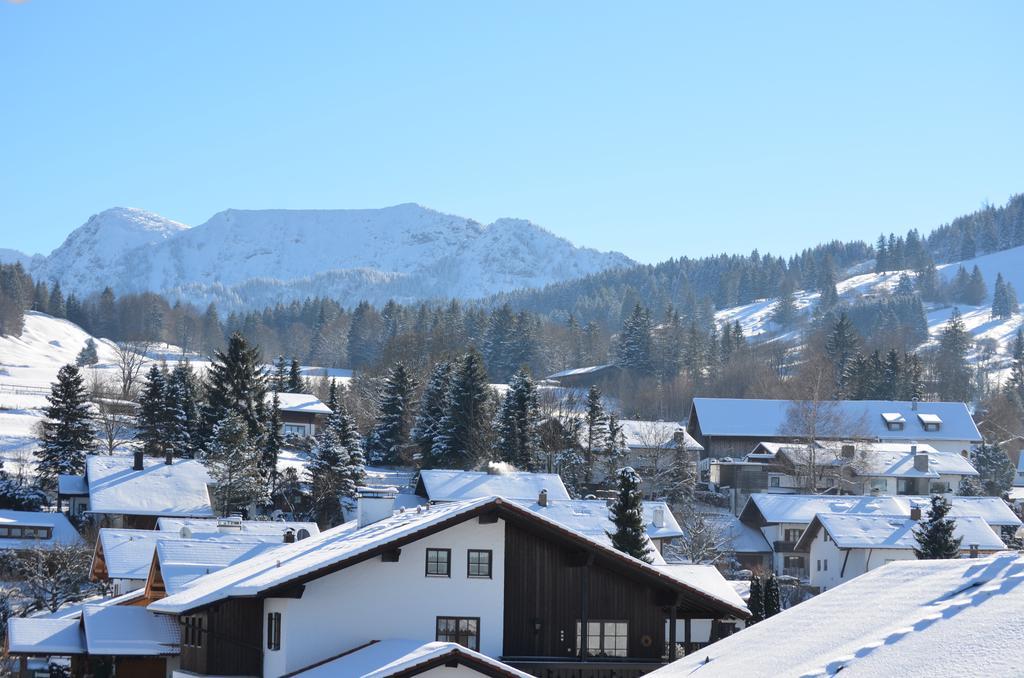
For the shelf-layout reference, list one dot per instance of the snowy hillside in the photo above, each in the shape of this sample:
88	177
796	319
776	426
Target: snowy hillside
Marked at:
755	318
251	258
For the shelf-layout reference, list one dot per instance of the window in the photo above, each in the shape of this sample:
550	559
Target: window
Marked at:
819	565
939	487
439	563
193	636
792	534
825	565
25	532
478	563
294	430
793	562
774	481
826	536
894	425
462	630
604	638
274	631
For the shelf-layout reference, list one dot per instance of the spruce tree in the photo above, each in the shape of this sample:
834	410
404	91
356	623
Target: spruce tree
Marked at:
56	306
634	350
841	346
272	442
595	432
177	422
184	387
772	598
498	343
389	439
295	382
279	382
68	433
87	356
755	600
518	425
627	513
976	290
328	472
1015	384
953	375
934	535
236	384
995	472
233	461
463	436
151	418
431	411
615	446
785	313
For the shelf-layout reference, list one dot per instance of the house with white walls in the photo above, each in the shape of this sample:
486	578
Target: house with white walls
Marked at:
783	518
133	491
441	485
21	530
486	573
843	546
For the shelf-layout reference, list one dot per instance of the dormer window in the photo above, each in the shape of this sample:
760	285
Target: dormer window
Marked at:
894	421
930	422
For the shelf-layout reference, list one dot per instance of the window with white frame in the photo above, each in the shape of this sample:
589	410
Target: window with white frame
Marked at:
605	638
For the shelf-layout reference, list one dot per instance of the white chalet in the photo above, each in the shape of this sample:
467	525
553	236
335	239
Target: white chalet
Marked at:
133	491
954	617
486	573
843	546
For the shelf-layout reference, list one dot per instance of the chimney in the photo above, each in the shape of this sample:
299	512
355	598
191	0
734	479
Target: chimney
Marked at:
920	460
169	457
913	404
542	500
289	536
137	466
659	517
915	513
974	551
374	504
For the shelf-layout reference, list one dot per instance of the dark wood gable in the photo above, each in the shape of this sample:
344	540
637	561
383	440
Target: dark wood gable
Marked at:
229	642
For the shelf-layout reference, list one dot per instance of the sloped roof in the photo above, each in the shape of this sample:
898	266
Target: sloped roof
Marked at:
994	510
185	560
386	658
579	371
347	544
45	636
591	517
742	537
62	531
455	485
248	527
955	617
129	630
159	489
653	434
892	532
70	486
741	417
299	402
896	460
707	577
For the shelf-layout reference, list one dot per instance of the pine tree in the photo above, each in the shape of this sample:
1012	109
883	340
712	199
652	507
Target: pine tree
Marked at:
431	411
627	513
328	471
88	355
755	600
55	306
67	430
934	535
995	472
151	420
772	599
272	443
518	425
595	432
279	382
463	436
236	384
389	438
178	421
498	343
785	312
1015	384
953	376
976	290
296	384
1004	299
234	465
841	346
829	296
615	446
635	343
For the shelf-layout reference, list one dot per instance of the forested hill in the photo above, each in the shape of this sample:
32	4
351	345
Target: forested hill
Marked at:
693	286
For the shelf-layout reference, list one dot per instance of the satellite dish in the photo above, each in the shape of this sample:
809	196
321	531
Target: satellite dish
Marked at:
185	532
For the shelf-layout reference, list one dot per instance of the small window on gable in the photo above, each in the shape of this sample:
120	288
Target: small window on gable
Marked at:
894	421
930	422
274	631
439	562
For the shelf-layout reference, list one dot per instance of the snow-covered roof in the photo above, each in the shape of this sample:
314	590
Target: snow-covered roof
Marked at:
656	434
453	485
386	658
185	560
71	486
994	510
61	530
579	371
739	417
742	537
707	577
345	544
893	532
897	460
45	636
159	489
299	402
129	630
911	617
591	517
246	527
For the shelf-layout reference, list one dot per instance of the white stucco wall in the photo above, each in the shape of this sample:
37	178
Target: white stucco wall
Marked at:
375	600
858	562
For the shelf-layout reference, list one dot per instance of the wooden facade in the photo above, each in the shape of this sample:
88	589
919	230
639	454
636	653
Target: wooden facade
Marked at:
231	639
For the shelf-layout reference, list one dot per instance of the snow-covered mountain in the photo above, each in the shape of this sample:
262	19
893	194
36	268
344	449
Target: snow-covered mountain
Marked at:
249	258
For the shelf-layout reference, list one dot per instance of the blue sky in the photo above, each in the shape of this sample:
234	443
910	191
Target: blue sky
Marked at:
659	130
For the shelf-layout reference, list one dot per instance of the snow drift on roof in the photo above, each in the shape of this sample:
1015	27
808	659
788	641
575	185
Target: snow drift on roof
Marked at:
942	617
45	636
453	485
182	561
390	657
178	489
129	630
801	508
68	486
248	527
656	434
299	402
896	532
856	419
897	461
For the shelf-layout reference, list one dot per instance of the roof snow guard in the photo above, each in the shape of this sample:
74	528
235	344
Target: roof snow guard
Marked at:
271	574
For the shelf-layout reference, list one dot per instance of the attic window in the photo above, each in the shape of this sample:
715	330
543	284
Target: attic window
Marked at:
894	421
930	422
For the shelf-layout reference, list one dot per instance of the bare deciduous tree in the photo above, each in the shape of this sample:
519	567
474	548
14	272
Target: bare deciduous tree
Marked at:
705	539
52	575
130	359
113	421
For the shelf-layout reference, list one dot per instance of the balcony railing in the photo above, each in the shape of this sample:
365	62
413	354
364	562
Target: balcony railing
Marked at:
798	572
782	546
553	667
